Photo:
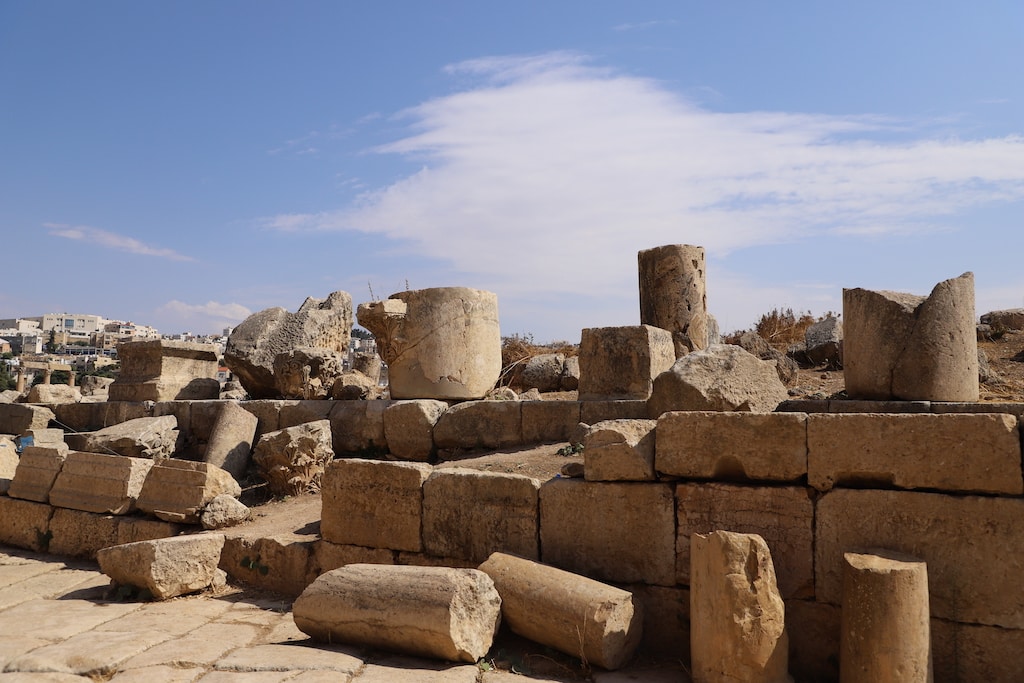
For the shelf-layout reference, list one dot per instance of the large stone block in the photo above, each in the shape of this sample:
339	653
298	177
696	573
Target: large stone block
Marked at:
24	523
145	437
327	556
268	415
89	417
666	621
374	503
231	439
480	424
470	514
132	529
619	532
974	548
177	490
673	294
592	412
81	534
968	453
165	370
275	562
620	450
18	418
37	469
618	363
548	421
783	516
743	446
358	427
409	428
94	482
166	567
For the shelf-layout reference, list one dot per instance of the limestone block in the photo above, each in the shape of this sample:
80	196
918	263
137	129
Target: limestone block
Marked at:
231	439
737	617
374	503
53	394
87	417
722	377
548	421
782	516
94	482
424	560
435	612
543	372
257	341
823	342
165	370
910	347
813	629
77	533
24	524
620	450
666	629
267	414
592	412
611	531
224	511
178	490
166	567
469	514
145	437
480	424
885	626
970	453
300	412
442	343
327	556
94	385
37	469
598	623
132	529
8	462
354	386
51	438
276	562
673	294
18	418
1009	319
292	460
966	653
620	363
409	428
950	533
737	446
358	426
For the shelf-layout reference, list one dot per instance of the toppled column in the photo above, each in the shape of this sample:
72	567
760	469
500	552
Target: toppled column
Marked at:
435	612
737	617
673	294
163	370
581	617
441	343
885	622
913	348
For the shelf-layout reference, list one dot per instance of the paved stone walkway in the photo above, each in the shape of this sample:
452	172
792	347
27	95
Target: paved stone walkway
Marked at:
56	625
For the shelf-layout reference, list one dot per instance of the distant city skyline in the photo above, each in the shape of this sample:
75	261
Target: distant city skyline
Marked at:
187	164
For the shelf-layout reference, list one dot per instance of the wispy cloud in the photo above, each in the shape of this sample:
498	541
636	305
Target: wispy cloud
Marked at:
110	240
641	25
211	314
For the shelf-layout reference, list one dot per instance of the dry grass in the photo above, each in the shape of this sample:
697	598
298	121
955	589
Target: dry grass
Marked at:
519	348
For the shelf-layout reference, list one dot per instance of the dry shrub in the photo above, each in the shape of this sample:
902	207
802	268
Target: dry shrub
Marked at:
780	328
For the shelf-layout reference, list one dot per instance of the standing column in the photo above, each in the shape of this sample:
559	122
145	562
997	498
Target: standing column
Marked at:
21	379
673	294
71	378
47	374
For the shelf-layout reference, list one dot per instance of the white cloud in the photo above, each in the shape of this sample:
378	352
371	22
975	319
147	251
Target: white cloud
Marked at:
212	315
110	240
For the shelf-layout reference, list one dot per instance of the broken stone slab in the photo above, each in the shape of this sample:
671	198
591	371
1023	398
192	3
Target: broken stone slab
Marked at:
722	377
155	438
598	623
165	370
823	342
178	490
737	617
673	294
231	439
787	368
352	385
95	482
224	511
53	394
307	372
1009	319
435	612
37	469
442	343
165	567
409	428
292	460
257	341
620	450
885	632
94	385
620	363
907	347
18	418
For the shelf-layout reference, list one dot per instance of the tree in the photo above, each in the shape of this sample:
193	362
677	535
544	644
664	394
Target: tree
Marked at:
51	345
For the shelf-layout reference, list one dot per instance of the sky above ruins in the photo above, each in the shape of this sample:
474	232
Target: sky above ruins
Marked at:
183	164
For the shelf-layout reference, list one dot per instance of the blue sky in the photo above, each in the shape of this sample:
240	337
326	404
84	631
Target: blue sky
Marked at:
183	164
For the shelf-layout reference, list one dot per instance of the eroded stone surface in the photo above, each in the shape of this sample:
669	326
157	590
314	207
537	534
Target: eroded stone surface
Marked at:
292	460
166	567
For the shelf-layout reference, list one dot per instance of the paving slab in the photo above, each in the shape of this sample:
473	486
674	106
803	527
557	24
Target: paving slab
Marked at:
203	647
163	674
416	671
92	652
58	620
292	657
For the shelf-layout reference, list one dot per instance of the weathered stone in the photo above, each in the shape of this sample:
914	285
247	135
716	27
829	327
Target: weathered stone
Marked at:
24	523
442	343
813	629
94	385
18	418
469	514
823	342
620	450
756	345
783	516
299	412
409	428
95	482
307	372
735	446
354	386
673	294
666	628
885	627
50	438
53	394
257	341
37	469
620	363
723	378
543	372
132	529
970	453
81	534
164	370
292	460
85	417
435	612
573	469
909	347
145	437
480	424
592	412
178	490
549	421
271	562
950	533
231	439
598	623
621	532
327	556
737	617
167	567
1009	319
224	511
374	503
570	374
358	427
8	462
367	364
9	395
